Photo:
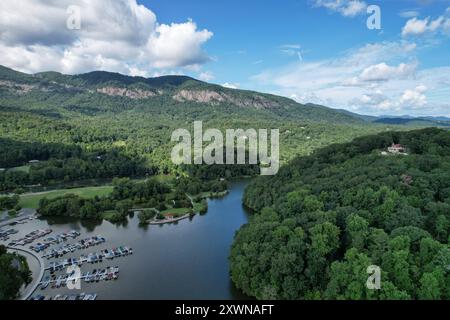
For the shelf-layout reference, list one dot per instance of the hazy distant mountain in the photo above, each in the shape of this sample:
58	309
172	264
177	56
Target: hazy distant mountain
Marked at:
415	117
360	116
402	120
417	121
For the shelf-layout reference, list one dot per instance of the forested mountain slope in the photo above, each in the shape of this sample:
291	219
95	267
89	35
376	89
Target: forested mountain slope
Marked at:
102	125
103	90
324	219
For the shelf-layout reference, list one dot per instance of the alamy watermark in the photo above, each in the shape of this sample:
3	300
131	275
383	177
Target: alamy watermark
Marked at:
73	21
374	280
374	20
74	279
238	144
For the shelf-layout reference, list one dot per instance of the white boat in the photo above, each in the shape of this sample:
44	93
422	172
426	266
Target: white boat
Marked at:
59	281
93	276
45	283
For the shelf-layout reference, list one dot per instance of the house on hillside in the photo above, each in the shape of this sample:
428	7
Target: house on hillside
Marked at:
397	149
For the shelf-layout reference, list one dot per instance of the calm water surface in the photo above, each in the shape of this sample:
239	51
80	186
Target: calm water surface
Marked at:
186	260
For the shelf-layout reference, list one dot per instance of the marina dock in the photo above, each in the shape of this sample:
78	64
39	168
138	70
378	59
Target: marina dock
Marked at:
43	242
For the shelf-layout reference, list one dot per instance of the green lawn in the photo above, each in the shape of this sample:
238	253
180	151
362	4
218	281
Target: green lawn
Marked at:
32	200
177	211
25	169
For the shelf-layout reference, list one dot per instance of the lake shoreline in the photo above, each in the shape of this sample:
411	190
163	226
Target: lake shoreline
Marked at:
154	222
162	266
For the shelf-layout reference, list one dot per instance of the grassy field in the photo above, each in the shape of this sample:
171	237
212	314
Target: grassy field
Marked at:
25	169
176	212
32	200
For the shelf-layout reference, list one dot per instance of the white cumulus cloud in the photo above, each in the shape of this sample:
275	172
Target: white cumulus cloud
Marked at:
231	85
384	72
417	27
347	8
414	98
114	35
370	79
206	76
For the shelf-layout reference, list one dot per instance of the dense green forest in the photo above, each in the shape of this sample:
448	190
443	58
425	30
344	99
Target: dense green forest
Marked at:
14	272
128	194
67	166
106	125
333	209
325	218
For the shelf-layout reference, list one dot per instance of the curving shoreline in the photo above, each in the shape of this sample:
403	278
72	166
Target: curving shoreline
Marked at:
41	272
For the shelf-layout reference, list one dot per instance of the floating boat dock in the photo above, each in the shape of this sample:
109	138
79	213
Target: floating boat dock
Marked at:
90	258
70	248
74	297
104	274
29	238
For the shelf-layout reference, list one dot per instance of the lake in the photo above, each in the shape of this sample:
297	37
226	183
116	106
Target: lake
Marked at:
184	260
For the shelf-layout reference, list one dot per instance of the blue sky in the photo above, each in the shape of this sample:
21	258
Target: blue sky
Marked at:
253	38
318	51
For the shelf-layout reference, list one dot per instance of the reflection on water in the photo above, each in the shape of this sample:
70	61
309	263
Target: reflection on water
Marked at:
184	260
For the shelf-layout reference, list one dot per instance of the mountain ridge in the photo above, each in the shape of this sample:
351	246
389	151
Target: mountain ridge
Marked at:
187	89
134	117
181	89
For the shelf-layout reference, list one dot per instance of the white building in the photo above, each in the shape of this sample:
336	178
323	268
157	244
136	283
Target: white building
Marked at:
396	149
